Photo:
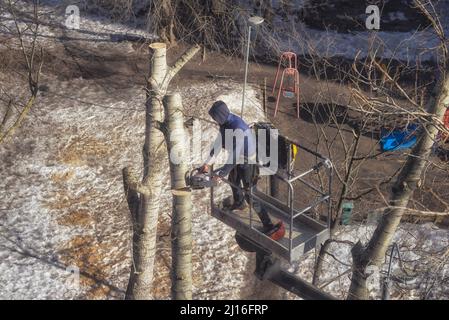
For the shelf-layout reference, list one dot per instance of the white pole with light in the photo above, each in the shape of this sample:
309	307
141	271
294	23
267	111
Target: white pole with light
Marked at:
252	22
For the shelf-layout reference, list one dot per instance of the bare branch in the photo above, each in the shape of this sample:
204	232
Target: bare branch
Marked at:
131	181
186	57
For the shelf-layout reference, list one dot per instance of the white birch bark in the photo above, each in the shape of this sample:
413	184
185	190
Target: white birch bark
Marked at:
176	138
144	197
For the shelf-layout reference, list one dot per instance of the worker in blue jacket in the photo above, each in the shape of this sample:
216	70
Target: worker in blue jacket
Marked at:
241	166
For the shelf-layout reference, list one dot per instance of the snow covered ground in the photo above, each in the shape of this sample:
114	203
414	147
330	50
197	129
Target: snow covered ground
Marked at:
290	34
424	251
62	206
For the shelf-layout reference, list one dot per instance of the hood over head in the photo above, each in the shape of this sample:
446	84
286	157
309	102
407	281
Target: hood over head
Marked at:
219	112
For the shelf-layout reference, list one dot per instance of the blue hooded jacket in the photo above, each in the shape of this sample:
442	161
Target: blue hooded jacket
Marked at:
229	121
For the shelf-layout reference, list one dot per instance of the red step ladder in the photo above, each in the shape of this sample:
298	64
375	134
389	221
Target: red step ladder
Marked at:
289	85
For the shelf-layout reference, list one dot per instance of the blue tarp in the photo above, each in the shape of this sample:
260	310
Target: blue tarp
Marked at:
398	139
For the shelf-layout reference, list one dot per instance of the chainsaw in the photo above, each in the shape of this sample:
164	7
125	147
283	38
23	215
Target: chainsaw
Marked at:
196	179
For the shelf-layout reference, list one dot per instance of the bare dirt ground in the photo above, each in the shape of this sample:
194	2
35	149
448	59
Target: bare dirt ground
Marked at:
318	99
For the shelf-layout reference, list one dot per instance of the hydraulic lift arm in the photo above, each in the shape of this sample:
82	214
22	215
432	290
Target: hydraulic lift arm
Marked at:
268	268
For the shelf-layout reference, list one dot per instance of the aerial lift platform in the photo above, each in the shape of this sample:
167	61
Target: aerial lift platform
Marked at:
304	231
307	217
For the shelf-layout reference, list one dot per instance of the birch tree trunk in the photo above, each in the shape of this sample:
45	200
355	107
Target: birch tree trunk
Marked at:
145	222
144	197
181	233
406	183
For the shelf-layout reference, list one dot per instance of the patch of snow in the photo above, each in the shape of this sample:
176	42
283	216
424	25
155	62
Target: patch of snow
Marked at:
420	248
290	34
66	162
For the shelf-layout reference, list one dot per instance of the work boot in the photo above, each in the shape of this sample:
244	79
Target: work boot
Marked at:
267	228
275	232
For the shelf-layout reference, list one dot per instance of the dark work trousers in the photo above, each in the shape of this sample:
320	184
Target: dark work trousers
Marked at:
246	174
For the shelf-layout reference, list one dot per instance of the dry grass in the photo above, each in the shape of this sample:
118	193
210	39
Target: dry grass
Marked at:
84	151
89	256
80	218
62	177
64	200
118	9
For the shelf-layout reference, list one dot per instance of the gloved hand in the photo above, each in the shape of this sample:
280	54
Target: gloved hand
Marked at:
204	168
